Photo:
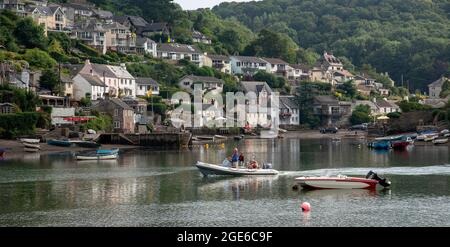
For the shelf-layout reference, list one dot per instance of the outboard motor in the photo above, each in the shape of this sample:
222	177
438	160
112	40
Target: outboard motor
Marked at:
267	166
382	181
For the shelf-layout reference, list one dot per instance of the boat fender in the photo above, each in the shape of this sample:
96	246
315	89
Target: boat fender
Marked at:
306	207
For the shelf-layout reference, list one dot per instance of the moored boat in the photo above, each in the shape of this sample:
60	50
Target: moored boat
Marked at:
400	145
30	141
440	141
431	137
60	143
343	182
97	156
380	145
212	169
30	145
220	137
107	151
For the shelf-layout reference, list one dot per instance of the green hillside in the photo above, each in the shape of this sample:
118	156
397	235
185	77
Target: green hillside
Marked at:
402	37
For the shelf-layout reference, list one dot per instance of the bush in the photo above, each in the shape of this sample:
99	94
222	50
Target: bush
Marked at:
394	115
39	59
18	124
101	122
359	117
158	108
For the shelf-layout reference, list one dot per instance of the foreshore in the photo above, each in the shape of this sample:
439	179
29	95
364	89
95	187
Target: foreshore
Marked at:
15	149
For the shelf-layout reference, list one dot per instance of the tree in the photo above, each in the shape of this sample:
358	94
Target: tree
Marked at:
272	44
50	80
359	117
272	80
30	34
348	89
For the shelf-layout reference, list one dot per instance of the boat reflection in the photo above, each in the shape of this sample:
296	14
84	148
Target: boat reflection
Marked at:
239	187
339	193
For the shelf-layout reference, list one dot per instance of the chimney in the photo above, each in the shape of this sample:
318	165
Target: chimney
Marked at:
123	65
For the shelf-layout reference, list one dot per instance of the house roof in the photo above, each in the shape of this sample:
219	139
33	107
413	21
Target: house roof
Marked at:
331	59
219	57
146	81
76	6
103	13
288	102
117	102
439	82
115	25
383	103
255	86
299	66
274	60
246	59
140	41
326	99
93	80
204	79
102	69
44	10
137	21
74	69
198	35
180	48
154	27
120	72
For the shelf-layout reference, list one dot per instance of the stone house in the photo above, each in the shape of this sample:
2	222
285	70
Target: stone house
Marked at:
121	113
289	111
435	88
331	111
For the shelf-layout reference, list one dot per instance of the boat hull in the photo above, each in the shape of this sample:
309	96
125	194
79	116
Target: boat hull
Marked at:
59	143
440	141
30	145
31	150
30	141
336	183
211	169
98	157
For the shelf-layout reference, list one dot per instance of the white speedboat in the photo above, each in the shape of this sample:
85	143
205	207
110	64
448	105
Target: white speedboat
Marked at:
211	169
343	182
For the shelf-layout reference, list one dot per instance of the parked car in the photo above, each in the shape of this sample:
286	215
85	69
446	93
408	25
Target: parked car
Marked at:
358	127
333	130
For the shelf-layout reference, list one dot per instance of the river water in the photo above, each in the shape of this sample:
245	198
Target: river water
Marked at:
163	188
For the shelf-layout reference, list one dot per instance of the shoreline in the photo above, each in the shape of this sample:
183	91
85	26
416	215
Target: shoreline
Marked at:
15	149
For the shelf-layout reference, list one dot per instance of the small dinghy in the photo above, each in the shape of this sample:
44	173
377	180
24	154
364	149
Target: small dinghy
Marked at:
343	182
211	169
99	155
440	141
30	145
30	141
31	150
59	143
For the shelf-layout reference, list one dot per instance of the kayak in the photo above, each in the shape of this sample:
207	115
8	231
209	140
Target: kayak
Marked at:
343	182
211	169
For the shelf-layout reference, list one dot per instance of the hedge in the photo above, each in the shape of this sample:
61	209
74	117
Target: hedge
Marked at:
18	124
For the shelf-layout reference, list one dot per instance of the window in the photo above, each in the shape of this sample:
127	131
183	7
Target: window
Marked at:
140	88
116	112
116	124
238	64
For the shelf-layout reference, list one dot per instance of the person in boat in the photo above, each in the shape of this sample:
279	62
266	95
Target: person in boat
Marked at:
227	162
235	158
253	164
241	159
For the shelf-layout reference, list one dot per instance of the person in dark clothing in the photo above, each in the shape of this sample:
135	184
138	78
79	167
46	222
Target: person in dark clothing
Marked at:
241	159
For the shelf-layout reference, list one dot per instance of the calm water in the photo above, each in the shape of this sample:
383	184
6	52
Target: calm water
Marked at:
162	188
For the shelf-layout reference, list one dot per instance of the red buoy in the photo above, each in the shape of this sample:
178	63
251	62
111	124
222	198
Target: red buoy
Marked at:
306	207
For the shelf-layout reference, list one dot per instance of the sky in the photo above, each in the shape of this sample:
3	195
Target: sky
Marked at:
195	4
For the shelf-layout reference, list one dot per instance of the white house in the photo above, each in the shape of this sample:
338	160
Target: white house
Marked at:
247	65
209	83
174	51
146	46
289	111
127	83
199	37
276	66
298	72
145	85
385	107
257	108
86	85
